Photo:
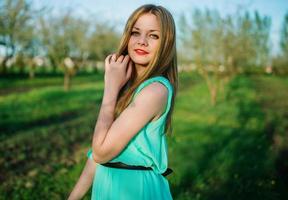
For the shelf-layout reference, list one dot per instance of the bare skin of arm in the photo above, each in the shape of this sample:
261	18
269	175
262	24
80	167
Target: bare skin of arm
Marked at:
85	181
108	102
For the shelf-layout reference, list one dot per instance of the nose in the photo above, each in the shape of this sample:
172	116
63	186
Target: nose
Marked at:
142	40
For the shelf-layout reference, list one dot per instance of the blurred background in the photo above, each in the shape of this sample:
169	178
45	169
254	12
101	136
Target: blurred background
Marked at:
230	124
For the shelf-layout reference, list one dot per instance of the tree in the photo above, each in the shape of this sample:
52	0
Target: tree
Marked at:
284	36
280	62
103	41
222	47
65	43
16	28
201	42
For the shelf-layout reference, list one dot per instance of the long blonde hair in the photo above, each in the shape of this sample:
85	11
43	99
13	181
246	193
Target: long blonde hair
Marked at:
164	62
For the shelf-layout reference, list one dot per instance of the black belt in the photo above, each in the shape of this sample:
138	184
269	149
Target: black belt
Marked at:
121	165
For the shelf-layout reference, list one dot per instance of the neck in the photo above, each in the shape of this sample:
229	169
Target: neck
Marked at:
140	69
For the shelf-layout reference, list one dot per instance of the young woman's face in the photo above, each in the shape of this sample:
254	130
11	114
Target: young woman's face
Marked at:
144	39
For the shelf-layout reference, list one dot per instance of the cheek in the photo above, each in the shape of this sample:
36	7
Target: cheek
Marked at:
130	46
154	46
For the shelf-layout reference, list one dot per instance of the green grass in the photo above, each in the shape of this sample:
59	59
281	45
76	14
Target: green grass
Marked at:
220	152
42	130
273	95
33	108
223	152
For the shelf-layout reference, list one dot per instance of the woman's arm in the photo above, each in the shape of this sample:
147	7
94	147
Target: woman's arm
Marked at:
111	135
115	77
84	182
150	101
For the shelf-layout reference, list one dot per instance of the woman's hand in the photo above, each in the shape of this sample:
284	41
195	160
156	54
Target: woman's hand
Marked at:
85	181
117	71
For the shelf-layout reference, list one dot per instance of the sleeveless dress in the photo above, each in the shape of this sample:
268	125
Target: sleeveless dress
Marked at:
148	148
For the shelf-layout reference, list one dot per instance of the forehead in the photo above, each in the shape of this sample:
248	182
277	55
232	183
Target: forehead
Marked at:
147	21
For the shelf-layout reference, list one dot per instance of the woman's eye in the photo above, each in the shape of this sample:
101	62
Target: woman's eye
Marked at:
134	33
154	36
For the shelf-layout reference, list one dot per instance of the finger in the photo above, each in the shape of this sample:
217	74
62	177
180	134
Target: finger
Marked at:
114	58
107	59
120	58
126	59
110	60
129	71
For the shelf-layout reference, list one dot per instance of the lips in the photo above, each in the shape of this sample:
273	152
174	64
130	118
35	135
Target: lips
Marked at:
141	52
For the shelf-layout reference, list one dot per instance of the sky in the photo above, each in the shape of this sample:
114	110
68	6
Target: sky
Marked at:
118	11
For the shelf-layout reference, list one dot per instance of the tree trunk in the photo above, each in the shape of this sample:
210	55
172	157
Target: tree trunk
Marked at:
31	72
213	95
3	69
67	81
8	56
212	86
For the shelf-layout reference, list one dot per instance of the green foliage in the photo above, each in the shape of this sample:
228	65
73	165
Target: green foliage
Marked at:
237	41
284	36
16	28
103	41
63	36
280	62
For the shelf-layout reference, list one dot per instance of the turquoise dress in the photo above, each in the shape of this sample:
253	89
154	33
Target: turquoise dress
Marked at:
148	148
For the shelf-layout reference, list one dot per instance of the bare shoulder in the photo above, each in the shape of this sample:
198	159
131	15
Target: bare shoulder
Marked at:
153	96
158	88
155	91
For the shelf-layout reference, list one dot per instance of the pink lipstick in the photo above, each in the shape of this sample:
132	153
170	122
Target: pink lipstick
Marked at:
141	52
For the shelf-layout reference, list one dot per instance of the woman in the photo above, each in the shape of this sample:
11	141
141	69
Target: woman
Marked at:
128	158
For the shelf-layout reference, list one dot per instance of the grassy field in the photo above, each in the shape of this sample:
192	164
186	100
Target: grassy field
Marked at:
235	150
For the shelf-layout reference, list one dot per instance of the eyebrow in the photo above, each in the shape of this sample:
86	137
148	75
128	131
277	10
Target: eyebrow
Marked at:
149	30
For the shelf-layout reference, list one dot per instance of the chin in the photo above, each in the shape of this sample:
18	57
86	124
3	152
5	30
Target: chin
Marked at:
140	61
